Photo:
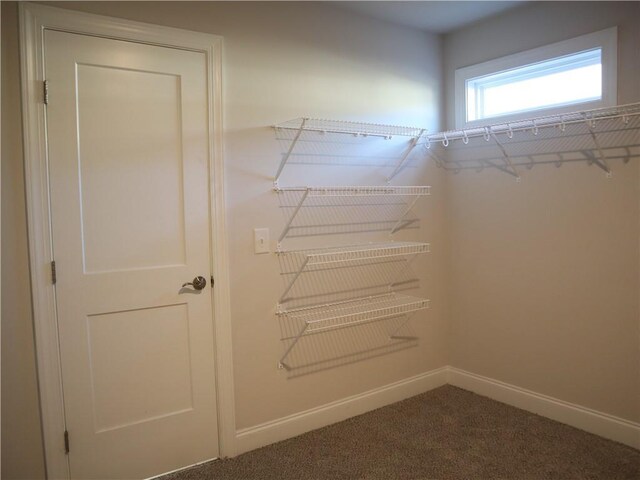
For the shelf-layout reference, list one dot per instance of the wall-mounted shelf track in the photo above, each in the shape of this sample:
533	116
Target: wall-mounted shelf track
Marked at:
358	129
351	313
407	197
591	125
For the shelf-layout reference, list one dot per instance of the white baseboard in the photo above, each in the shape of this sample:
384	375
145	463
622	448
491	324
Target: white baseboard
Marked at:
299	423
605	425
602	424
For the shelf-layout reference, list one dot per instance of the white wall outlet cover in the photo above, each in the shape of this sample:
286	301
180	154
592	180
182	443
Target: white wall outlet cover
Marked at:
261	240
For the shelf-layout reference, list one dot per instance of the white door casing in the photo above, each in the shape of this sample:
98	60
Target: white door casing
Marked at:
124	269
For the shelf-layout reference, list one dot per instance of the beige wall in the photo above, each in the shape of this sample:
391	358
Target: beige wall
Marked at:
22	454
281	61
545	273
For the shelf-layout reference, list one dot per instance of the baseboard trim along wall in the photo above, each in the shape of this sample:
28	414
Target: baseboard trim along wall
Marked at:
302	422
602	424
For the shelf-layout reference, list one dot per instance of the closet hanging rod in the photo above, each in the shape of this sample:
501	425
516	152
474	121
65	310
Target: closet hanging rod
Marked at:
623	112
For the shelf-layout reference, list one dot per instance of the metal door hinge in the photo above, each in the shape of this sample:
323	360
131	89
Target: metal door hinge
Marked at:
66	442
54	276
45	92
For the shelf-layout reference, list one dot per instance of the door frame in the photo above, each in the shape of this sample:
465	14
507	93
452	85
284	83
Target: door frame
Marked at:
34	20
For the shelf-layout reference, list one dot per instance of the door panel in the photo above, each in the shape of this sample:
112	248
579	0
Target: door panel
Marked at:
141	140
152	361
128	147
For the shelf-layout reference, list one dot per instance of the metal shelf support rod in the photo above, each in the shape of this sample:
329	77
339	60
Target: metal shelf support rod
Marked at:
284	160
293	280
493	165
402	271
436	159
507	158
293	344
600	162
405	156
295	212
406	320
396	227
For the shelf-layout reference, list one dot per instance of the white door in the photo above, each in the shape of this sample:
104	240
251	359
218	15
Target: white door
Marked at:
127	131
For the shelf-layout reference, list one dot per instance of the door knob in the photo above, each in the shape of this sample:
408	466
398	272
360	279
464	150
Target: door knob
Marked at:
198	283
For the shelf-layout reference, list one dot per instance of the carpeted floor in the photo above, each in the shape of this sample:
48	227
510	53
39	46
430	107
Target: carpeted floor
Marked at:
447	433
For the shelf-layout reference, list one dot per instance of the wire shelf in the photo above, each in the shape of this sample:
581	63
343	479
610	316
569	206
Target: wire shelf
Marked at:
596	128
534	124
352	197
350	128
359	191
351	313
357	129
353	253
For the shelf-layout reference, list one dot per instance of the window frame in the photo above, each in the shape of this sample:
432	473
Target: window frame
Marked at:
606	40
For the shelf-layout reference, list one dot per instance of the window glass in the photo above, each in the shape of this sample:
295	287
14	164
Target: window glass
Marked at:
557	82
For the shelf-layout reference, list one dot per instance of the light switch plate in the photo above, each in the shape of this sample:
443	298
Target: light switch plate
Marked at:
261	240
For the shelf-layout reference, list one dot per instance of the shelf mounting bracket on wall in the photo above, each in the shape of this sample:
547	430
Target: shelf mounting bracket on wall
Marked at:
602	161
287	227
401	222
512	169
438	161
393	335
286	156
405	156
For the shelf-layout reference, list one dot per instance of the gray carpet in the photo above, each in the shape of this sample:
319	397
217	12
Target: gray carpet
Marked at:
447	433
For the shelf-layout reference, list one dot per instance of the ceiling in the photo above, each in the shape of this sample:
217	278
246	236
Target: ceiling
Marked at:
431	16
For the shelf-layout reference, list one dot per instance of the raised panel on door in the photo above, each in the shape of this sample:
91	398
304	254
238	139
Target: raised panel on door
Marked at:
130	149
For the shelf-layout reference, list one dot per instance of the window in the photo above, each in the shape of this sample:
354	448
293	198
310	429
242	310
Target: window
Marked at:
578	73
